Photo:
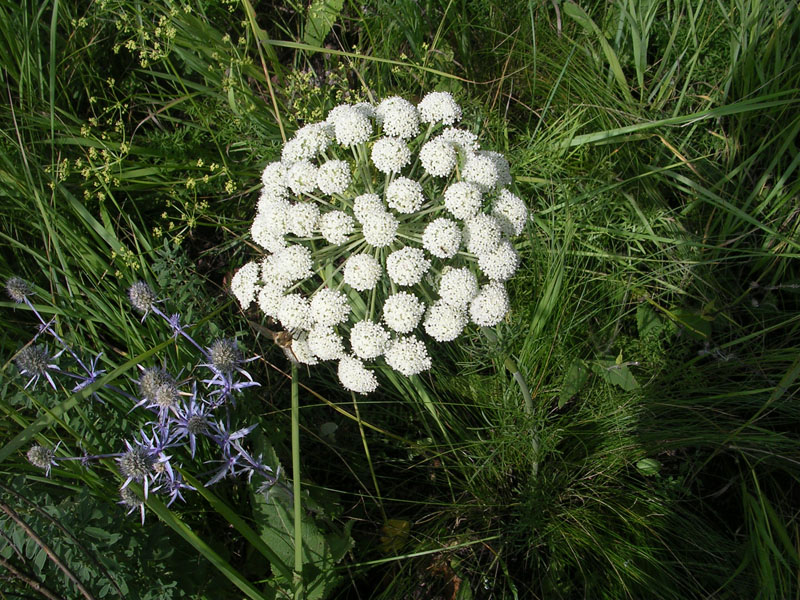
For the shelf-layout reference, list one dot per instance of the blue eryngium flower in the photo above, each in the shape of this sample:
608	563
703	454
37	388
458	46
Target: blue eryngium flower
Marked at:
36	362
190	420
225	360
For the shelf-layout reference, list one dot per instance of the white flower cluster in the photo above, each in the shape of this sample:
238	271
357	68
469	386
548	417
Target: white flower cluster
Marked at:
385	229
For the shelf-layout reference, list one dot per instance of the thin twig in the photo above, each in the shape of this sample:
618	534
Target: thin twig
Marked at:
35	585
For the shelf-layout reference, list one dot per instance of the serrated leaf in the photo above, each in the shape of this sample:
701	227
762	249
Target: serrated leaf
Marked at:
322	14
574	380
616	374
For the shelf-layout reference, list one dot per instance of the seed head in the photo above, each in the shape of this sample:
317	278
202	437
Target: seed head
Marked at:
41	457
225	355
141	296
33	360
18	289
136	463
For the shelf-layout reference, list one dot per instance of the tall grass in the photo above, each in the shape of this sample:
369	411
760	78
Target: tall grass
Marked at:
654	324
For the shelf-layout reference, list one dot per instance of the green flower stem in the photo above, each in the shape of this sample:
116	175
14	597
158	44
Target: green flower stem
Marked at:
299	591
512	367
377	496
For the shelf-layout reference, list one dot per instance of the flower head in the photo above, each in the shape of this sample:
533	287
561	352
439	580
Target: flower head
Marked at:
361	272
438	157
244	283
142	297
407	266
333	177
398	117
336	227
36	362
354	376
389	155
439	107
368	213
18	289
42	457
402	311
408	356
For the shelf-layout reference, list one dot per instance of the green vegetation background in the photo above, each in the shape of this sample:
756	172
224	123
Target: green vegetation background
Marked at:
655	317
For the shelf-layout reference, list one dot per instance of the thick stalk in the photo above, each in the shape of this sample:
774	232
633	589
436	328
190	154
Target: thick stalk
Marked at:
299	591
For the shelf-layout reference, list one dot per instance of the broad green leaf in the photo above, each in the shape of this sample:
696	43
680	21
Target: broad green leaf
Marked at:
616	374
574	380
647	320
321	550
648	466
696	325
322	15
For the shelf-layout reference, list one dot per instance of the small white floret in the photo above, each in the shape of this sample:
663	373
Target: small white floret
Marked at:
489	307
354	376
402	311
390	155
408	356
407	266
361	272
405	195
442	238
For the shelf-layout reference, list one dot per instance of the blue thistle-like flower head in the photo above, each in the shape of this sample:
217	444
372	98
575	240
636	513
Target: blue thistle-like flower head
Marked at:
18	289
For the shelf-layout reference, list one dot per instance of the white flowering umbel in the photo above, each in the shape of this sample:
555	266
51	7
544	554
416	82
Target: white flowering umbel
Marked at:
386	230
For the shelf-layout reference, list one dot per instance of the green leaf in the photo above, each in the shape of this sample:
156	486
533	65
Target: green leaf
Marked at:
322	15
321	550
648	466
616	374
574	380
696	325
647	320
